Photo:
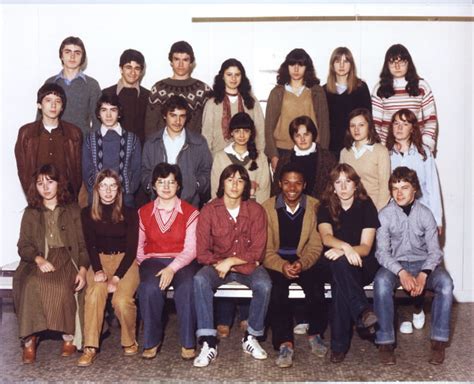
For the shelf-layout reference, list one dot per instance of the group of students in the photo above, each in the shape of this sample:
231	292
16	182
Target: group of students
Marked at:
190	148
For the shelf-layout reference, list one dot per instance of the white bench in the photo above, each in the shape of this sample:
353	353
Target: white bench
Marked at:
233	289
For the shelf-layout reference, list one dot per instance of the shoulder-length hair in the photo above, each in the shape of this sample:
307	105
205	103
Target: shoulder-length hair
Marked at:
329	196
49	171
244	87
373	135
301	57
415	137
96	209
230	171
398	52
353	82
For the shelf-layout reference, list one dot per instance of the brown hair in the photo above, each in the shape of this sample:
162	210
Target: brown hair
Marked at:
353	82
230	171
307	122
415	136
48	171
373	135
96	209
73	40
329	196
405	174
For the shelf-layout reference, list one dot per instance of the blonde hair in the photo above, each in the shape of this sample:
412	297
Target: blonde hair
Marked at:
353	82
96	209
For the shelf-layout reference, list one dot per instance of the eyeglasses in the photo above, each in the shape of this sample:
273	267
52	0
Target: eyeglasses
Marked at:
399	62
104	187
168	183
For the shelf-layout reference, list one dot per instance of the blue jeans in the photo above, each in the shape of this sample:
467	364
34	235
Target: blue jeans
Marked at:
438	281
348	298
206	281
225	308
152	301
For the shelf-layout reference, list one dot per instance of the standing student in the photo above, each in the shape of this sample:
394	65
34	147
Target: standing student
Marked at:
177	144
111	233
315	161
231	237
292	251
347	221
82	91
166	254
53	264
408	251
345	92
400	87
297	93
367	156
50	140
195	92
406	148
132	96
232	93
242	150
112	147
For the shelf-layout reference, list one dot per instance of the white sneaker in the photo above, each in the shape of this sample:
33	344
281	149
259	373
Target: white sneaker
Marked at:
406	327
252	347
419	320
206	355
301	329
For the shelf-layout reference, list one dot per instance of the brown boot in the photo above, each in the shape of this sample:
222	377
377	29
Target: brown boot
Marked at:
387	354
437	352
69	349
29	352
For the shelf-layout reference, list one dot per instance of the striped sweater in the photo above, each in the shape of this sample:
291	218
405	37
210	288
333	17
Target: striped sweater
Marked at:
423	106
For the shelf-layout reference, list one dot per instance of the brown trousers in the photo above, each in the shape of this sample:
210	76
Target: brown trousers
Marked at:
123	302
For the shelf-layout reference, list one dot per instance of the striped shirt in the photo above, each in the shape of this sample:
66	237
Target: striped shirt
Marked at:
423	106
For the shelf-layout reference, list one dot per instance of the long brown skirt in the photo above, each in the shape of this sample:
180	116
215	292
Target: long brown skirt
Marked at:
47	299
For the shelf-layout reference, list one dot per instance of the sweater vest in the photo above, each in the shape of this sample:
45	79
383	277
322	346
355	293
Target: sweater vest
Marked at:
166	237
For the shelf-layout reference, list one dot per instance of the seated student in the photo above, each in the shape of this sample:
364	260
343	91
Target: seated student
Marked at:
112	147
166	254
408	251
241	150
347	221
404	142
315	161
293	248
111	233
53	263
231	237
